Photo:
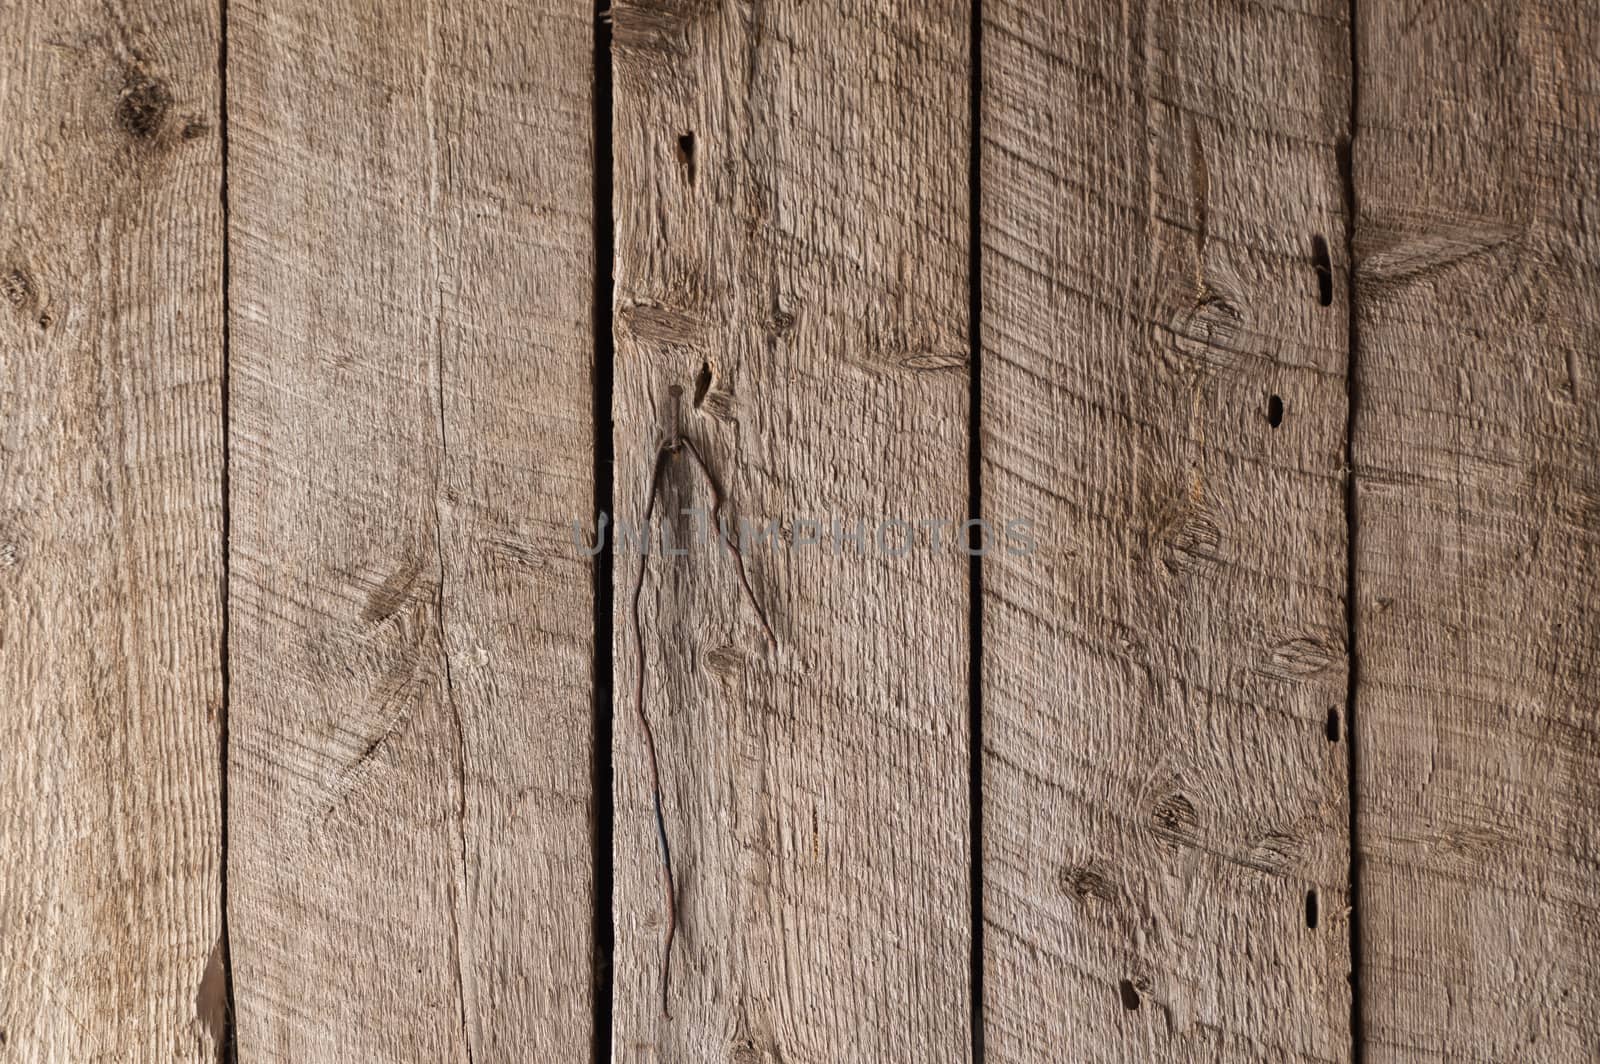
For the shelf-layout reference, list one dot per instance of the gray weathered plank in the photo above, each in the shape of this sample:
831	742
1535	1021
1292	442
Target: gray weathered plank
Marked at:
792	255
110	532
1164	395
1477	168
409	865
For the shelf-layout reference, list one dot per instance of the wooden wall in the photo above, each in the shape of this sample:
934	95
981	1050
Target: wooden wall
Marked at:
1265	338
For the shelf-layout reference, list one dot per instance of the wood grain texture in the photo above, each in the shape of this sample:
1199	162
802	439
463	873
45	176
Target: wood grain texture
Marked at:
1160	677
412	625
791	233
1477	169
110	531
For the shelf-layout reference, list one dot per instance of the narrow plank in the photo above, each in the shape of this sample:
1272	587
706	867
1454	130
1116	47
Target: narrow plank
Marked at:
1478	530
110	532
412	627
791	233
1164	397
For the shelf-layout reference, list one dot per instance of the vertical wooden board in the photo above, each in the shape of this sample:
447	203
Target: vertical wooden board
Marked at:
412	627
110	532
1161	796
791	259
1478	530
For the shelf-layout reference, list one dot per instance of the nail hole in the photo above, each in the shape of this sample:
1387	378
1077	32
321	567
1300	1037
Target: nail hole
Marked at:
1311	909
702	384
1332	729
1274	410
1130	996
674	390
1319	257
686	155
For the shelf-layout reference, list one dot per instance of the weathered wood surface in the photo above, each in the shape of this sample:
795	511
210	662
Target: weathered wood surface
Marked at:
1477	454
110	532
1164	393
1168	344
409	761
791	233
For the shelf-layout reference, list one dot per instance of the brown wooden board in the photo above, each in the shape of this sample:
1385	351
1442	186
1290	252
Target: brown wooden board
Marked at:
791	234
110	532
410	863
1164	774
1477	455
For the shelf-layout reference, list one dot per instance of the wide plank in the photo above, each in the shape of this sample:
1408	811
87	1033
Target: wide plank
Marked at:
791	303
410	766
1477	457
1164	325
111	447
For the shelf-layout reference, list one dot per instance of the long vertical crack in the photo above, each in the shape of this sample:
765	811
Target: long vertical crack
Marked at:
441	471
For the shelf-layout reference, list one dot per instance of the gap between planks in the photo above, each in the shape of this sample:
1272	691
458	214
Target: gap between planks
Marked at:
1352	529
975	514
603	934
228	1047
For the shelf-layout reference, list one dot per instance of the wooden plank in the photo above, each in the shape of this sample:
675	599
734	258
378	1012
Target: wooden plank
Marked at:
1164	396
412	628
791	233
110	532
1478	534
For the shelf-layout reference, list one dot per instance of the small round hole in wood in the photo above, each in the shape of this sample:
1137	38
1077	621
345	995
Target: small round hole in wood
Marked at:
1129	995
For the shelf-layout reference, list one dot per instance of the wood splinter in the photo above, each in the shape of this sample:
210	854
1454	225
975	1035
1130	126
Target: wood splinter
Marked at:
670	447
